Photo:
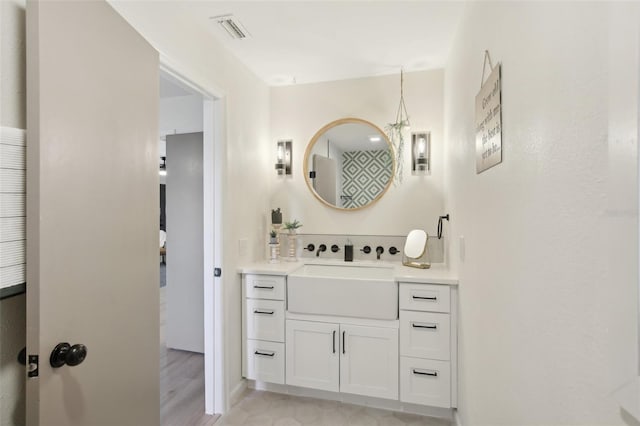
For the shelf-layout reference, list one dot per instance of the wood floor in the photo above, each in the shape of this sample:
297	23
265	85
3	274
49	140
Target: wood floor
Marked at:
181	382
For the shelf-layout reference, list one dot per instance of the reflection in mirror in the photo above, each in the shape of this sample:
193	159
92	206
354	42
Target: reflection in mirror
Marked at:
349	164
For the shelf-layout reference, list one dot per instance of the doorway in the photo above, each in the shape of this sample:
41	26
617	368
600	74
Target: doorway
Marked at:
188	118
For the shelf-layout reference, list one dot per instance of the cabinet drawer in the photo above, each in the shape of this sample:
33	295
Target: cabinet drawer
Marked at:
425	335
265	320
264	286
425	297
425	382
265	361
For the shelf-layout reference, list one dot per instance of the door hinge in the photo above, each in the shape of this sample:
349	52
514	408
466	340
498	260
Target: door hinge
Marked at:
217	272
33	366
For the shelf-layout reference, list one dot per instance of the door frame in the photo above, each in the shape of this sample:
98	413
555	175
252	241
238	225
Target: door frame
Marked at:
213	148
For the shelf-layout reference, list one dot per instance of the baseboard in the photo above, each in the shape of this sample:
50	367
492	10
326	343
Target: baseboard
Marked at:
237	393
456	418
384	404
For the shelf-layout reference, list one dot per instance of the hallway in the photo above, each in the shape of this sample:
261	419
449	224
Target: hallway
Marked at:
181	382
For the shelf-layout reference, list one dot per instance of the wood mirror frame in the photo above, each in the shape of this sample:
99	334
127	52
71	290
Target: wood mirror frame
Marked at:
320	133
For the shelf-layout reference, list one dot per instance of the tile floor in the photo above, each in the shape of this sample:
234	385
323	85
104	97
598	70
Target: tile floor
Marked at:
259	408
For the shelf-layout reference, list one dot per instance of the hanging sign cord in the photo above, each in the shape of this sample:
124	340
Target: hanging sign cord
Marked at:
484	65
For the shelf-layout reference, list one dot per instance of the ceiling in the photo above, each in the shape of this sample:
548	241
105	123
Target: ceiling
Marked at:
310	41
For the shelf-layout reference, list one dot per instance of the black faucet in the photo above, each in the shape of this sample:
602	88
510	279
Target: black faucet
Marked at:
321	248
379	251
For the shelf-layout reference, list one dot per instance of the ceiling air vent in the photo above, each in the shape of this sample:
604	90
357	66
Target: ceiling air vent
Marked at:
232	26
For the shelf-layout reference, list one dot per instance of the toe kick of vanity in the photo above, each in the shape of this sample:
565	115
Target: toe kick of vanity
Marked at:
407	363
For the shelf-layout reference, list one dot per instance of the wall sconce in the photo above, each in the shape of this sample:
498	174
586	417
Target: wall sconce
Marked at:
163	166
283	158
421	153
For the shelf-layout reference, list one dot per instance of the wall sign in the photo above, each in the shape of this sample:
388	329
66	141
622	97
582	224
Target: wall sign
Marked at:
489	120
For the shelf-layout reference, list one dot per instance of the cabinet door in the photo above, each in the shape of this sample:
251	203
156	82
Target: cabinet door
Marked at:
312	355
369	361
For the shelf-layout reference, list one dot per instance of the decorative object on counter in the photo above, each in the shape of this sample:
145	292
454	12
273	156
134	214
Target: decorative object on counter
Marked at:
395	132
421	153
416	253
489	118
292	238
274	247
274	252
349	164
292	226
446	217
276	217
283	158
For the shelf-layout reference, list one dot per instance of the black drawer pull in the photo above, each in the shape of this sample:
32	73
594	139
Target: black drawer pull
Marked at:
344	344
264	287
425	298
425	373
256	311
429	326
264	353
334	341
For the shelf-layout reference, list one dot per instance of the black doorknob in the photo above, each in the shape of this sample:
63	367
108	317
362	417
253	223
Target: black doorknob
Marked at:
64	353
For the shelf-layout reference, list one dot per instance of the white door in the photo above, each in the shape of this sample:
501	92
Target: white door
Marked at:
92	216
369	361
312	355
185	257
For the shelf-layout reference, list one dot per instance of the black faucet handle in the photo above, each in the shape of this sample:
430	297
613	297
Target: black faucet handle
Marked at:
335	248
393	250
366	249
310	247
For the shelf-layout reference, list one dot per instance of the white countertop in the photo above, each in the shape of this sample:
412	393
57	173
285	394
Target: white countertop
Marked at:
437	274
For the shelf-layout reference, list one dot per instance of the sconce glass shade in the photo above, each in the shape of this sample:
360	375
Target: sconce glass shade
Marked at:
283	158
421	153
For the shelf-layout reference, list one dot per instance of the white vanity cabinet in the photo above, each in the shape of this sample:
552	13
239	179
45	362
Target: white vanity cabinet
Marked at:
426	335
263	327
409	361
347	358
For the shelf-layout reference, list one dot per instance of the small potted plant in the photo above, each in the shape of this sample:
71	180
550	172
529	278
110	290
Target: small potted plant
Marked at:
273	237
292	226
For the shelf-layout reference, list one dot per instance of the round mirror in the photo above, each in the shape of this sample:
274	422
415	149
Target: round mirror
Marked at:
349	164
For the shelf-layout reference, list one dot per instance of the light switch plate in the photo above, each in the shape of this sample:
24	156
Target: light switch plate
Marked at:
243	247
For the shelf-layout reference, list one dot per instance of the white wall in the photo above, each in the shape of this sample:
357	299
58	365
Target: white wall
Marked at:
178	114
548	286
192	50
12	114
297	112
